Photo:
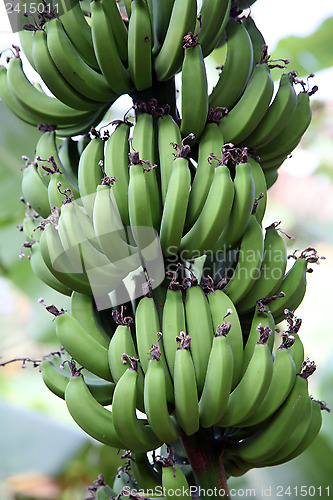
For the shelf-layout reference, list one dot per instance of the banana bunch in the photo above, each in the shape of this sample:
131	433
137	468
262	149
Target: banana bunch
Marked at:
181	183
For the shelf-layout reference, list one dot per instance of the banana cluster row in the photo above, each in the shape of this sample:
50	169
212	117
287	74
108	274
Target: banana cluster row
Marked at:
107	187
193	366
114	55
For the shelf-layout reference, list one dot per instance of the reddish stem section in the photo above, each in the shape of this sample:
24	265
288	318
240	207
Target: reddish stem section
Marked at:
205	456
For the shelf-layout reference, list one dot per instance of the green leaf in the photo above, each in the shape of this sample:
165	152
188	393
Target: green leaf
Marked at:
307	54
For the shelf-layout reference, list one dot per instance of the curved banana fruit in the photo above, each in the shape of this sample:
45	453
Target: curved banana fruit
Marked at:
147	329
132	431
43	273
78	30
53	78
199	326
272	435
173	479
272	269
241	209
218	380
82	346
170	56
162	423
213	218
140	42
175	207
74	69
43	108
106	50
173	322
252	388
168	133
245	116
210	143
219	304
194	103
34	190
250	256
83	310
116	163
237	68
56	378
214	15
90	415
278	113
185	387
283	379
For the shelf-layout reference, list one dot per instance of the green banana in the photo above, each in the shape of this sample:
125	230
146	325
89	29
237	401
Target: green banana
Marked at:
41	270
257	38
241	209
237	68
106	51
311	431
147	329
185	387
119	28
53	78
116	163
292	132
274	433
260	189
296	436
10	101
69	157
140	42
252	388
143	144
82	346
210	145
261	321
173	479
74	69
56	378
272	269
132	431
214	15
219	304
122	342
245	116
90	415
78	30
199	327
161	12
168	133
214	216
110	231
250	256
194	103
58	261
173	322
43	108
34	190
90	173
217	387
279	111
283	379
170	56
175	207
83	310
293	287
162	423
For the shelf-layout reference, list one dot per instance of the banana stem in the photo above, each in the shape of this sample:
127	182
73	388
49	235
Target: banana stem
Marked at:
164	92
205	456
